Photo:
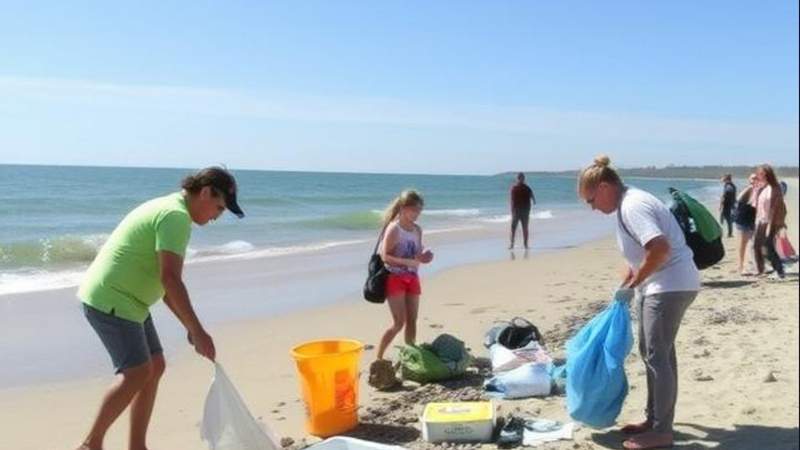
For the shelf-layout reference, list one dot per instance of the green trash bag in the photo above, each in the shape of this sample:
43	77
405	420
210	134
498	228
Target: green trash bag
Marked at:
446	357
704	222
701	230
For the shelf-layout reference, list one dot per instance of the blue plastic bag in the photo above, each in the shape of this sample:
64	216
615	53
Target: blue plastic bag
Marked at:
596	382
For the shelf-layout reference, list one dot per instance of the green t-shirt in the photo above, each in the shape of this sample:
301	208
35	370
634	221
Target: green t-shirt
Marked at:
125	275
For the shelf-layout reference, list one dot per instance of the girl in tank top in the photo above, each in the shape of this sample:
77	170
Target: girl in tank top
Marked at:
403	253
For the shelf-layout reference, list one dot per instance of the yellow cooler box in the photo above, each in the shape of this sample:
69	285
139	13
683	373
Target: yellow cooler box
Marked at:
458	422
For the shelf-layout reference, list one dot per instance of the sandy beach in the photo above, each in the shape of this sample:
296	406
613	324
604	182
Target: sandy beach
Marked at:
737	350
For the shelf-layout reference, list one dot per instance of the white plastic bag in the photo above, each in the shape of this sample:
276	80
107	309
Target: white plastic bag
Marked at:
504	359
541	431
528	380
228	424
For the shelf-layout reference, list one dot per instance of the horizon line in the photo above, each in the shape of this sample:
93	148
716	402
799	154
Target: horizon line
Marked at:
235	169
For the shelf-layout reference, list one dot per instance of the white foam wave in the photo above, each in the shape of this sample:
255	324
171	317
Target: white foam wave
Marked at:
451	230
276	251
230	248
38	280
42	280
505	218
456	212
464	212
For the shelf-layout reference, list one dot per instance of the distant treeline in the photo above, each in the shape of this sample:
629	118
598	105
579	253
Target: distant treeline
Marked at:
705	172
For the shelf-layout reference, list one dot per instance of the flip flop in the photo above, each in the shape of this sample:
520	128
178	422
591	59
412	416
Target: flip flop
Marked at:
636	428
636	443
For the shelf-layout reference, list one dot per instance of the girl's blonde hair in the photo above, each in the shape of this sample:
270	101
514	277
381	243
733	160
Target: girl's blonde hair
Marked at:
600	171
406	198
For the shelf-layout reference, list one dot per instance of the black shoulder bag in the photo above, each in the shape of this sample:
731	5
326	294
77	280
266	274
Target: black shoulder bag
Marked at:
375	286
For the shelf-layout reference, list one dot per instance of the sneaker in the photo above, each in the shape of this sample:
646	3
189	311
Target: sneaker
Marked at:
512	432
776	277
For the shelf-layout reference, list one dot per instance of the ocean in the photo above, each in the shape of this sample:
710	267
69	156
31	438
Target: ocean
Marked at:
53	219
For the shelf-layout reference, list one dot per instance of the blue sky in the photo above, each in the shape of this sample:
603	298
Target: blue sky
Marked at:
411	86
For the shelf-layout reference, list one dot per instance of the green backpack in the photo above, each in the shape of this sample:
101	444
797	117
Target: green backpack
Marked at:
418	363
447	357
702	231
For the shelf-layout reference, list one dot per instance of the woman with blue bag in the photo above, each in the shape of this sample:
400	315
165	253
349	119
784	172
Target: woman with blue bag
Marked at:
661	269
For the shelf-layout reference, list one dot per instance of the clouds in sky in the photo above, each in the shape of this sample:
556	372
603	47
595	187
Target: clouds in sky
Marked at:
288	131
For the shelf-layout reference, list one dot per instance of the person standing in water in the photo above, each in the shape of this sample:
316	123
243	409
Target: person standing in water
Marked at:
521	199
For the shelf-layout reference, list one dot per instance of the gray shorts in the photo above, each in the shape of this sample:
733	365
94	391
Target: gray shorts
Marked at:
129	343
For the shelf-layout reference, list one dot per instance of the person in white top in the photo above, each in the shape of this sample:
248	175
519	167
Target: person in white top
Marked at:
660	268
770	219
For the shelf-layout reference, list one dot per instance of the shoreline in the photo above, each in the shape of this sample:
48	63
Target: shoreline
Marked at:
31	280
239	289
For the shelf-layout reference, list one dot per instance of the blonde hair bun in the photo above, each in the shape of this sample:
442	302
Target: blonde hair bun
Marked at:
602	161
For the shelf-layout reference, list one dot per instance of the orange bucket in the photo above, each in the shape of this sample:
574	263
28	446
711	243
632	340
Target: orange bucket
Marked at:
328	372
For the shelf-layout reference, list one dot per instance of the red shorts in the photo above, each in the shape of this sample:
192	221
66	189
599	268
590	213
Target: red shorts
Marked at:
402	284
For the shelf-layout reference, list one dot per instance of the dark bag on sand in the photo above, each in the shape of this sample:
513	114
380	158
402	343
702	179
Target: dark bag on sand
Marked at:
375	286
512	335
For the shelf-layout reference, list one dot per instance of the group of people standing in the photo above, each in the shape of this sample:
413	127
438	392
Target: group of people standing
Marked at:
759	214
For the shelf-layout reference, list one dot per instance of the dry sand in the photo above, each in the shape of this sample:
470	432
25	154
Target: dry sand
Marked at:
738	336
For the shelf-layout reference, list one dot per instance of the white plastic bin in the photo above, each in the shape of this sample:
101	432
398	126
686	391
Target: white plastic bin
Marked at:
348	443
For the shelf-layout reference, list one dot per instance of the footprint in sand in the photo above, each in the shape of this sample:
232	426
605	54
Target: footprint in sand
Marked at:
453	304
480	310
698	375
436	325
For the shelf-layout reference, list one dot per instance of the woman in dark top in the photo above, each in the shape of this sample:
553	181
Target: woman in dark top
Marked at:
745	220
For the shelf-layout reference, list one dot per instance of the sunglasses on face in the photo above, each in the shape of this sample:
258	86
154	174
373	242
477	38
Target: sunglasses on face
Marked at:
590	201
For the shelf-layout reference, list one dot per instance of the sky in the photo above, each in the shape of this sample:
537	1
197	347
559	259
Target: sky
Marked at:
472	87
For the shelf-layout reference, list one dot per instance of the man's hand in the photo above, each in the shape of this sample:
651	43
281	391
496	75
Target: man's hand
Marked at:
203	344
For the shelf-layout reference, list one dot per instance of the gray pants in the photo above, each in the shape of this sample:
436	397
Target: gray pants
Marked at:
659	319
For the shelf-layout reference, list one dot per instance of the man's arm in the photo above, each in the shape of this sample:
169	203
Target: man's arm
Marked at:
177	299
